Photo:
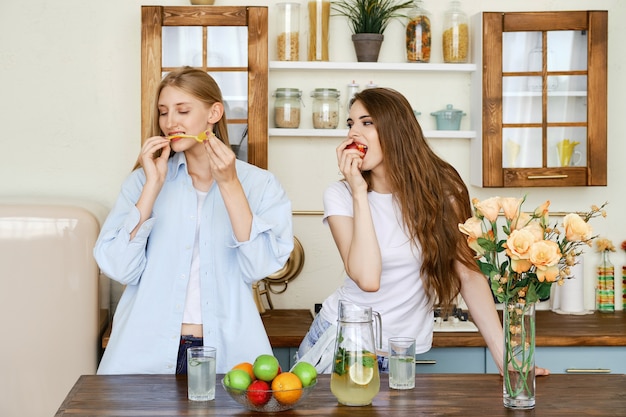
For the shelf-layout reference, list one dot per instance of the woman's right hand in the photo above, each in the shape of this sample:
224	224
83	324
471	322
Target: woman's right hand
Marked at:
349	161
155	167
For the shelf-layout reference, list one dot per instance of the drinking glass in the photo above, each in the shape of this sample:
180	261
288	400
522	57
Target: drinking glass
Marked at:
402	363
201	373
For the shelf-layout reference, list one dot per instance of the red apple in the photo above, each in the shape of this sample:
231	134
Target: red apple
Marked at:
259	393
358	146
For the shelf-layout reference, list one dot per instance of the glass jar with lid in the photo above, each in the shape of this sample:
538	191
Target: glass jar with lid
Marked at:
325	108
287	107
455	34
418	35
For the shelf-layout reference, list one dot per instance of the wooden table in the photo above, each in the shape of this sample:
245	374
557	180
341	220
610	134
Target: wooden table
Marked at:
466	395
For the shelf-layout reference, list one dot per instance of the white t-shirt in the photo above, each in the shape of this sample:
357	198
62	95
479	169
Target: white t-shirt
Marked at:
401	299
193	302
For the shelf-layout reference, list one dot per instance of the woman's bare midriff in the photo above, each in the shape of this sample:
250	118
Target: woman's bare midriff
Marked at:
188	329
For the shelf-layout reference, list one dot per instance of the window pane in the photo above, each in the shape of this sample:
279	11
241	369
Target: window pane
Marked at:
568	103
518	105
569	48
182	45
567	146
516	47
521	148
227	46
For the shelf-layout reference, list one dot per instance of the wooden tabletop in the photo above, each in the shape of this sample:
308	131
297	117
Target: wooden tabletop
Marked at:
467	395
597	329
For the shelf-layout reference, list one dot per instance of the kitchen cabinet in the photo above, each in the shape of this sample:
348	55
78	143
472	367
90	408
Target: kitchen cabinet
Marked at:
466	360
175	36
578	359
542	89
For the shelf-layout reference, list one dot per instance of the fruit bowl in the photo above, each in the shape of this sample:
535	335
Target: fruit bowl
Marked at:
290	398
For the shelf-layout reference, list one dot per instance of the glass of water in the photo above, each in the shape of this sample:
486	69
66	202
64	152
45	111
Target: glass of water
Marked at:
201	373
402	363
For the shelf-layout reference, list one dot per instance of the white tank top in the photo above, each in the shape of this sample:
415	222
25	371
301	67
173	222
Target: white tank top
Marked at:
193	302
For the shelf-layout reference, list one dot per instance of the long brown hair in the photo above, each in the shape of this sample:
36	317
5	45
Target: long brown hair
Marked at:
430	193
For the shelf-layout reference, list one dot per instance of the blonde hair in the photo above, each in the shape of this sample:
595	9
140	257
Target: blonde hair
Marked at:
197	84
431	195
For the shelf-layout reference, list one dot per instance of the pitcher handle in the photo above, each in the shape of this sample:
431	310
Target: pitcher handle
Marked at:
378	325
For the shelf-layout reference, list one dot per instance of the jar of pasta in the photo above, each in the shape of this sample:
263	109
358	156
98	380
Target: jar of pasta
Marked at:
288	40
455	34
325	108
418	37
287	107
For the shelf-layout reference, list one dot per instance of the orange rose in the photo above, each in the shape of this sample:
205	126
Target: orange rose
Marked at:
521	221
576	229
536	229
541	212
473	229
510	206
545	255
518	249
490	208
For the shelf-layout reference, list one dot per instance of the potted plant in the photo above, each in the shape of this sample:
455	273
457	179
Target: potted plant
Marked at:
368	20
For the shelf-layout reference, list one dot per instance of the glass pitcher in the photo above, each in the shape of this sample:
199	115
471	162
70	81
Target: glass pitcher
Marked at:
355	380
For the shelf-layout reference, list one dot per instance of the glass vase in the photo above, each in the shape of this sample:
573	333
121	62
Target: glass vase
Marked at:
519	355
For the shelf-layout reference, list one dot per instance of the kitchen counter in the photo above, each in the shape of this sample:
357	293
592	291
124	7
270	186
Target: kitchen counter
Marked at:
597	329
287	328
467	395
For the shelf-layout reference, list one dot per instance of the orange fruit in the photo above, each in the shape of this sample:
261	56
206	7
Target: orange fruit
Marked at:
287	388
246	366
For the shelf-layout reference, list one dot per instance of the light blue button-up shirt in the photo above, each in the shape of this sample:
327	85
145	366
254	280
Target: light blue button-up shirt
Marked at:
155	268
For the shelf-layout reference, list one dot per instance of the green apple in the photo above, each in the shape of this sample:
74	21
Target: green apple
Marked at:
265	367
306	373
237	379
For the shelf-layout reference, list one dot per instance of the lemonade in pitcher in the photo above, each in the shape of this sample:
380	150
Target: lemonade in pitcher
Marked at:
355	379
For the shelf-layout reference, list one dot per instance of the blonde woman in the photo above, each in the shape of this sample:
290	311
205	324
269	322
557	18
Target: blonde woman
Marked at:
192	229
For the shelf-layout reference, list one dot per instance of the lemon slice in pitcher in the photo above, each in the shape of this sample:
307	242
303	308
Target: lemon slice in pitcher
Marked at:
361	375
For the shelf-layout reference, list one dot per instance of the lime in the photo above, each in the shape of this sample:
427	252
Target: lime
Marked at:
361	375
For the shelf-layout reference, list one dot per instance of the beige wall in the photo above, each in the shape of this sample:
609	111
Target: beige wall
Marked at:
69	115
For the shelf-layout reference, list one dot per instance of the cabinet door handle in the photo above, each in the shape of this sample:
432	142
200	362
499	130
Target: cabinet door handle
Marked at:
587	371
425	362
543	177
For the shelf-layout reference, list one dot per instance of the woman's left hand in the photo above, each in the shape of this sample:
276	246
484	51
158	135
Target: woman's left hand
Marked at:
541	371
222	159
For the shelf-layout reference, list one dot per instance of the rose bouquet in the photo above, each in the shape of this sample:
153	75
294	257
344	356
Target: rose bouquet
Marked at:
522	262
530	255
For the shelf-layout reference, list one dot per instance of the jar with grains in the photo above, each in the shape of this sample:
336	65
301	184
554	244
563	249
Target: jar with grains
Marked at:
325	108
288	40
287	107
418	35
455	34
319	22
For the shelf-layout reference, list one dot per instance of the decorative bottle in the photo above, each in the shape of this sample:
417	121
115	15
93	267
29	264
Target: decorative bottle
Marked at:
455	34
624	288
418	36
605	291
